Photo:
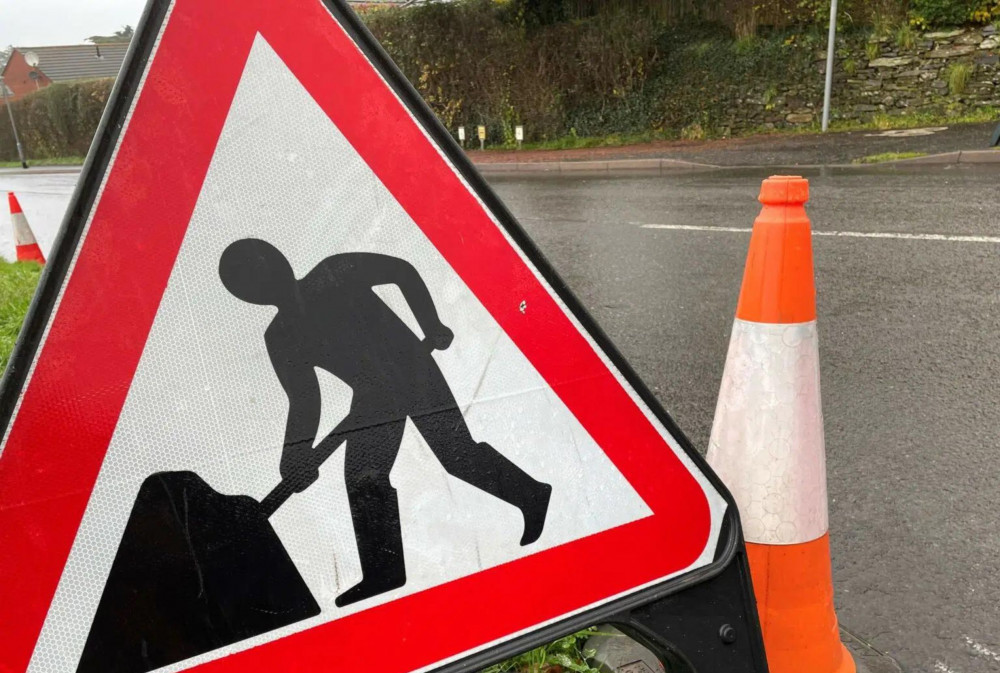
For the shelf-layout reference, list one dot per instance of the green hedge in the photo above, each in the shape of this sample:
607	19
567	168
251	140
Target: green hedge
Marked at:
613	72
58	121
475	63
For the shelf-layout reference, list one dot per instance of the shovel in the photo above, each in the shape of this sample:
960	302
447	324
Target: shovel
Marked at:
195	571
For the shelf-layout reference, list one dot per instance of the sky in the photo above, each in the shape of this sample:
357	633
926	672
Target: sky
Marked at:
38	23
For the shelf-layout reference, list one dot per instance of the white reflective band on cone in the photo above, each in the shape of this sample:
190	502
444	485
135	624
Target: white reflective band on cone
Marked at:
22	232
767	439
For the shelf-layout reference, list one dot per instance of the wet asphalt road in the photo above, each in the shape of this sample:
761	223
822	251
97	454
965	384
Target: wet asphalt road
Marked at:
910	350
43	194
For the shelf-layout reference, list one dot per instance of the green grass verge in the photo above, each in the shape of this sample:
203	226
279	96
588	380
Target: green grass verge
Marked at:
573	142
888	156
17	286
884	122
55	161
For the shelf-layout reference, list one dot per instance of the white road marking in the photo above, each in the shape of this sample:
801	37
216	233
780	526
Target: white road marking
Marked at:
982	650
908	133
694	227
835	234
941	667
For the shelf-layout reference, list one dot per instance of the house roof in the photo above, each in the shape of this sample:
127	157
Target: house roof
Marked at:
78	61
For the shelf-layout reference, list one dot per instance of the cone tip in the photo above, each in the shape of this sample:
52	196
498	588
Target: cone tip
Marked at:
778	284
779	190
15	207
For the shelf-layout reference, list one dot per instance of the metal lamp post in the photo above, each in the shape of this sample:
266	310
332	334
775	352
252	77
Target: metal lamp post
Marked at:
13	125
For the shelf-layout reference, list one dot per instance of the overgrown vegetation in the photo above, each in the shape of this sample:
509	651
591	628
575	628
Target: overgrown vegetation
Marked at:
17	286
888	156
565	654
872	50
123	36
597	68
475	63
958	75
48	161
924	14
58	121
573	141
905	36
615	72
884	122
745	17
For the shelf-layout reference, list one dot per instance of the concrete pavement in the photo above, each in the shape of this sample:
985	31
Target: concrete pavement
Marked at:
963	143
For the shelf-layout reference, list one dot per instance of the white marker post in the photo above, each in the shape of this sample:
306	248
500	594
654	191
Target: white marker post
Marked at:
482	137
519	135
461	135
831	41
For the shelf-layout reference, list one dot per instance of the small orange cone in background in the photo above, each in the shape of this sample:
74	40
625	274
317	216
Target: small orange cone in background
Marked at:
24	240
767	438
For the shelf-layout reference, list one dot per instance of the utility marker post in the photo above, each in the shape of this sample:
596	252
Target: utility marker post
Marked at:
461	136
482	137
831	42
519	135
17	139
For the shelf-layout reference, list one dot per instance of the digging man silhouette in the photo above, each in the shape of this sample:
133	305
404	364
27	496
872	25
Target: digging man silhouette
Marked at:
332	319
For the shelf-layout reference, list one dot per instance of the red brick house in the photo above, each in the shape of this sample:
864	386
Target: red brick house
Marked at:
59	64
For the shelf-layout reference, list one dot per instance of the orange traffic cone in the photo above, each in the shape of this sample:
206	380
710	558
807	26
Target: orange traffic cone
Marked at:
24	240
767	439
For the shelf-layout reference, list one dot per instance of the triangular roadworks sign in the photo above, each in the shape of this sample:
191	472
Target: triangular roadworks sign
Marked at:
277	256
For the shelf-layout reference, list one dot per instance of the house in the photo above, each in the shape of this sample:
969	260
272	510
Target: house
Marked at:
32	68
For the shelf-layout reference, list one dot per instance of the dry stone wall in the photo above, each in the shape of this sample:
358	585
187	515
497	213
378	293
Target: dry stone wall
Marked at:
948	72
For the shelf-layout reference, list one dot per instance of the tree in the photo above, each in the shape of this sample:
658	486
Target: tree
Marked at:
119	36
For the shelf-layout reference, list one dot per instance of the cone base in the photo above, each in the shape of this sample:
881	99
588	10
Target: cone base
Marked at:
794	589
30	253
847	664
